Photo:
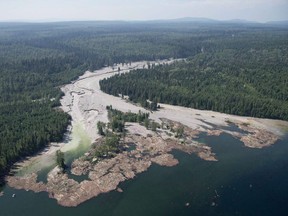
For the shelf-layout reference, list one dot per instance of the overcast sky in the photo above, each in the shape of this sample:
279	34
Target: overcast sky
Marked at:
59	10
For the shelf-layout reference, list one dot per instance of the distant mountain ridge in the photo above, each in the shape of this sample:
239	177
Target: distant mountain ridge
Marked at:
201	20
208	20
281	22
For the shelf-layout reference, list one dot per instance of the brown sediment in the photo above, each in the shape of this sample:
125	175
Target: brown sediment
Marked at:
254	136
214	132
84	95
165	160
28	182
80	167
203	151
257	137
107	174
67	191
173	126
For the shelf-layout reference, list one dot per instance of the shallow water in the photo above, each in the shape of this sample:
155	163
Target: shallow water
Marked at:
79	144
243	182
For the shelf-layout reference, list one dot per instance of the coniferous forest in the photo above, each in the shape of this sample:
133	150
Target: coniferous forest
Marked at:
246	74
234	68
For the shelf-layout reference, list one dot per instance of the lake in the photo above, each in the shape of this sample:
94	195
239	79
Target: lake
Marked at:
243	182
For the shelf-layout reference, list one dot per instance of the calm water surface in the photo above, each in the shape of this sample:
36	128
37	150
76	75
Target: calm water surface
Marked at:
243	182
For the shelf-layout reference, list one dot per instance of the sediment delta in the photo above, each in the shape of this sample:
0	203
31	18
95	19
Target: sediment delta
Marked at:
105	175
86	104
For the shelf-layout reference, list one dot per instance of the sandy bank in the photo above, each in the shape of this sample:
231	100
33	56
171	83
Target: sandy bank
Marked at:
86	104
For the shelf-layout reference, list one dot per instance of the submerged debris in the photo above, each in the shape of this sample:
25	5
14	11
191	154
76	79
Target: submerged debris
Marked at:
105	174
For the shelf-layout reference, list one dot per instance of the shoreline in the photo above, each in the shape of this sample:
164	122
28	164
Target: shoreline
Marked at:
106	175
86	104
76	102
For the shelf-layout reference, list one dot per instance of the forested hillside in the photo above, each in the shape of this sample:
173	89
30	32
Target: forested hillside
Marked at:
36	59
246	74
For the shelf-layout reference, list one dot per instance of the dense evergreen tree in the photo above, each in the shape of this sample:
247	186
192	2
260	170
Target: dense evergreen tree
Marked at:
244	76
60	161
36	59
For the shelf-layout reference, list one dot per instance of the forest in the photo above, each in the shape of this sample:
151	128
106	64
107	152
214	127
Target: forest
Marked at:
245	75
37	59
114	132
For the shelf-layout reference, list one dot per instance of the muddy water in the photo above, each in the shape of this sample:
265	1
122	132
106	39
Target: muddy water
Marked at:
243	182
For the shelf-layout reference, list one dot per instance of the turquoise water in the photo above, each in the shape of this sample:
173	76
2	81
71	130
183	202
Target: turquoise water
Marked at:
243	182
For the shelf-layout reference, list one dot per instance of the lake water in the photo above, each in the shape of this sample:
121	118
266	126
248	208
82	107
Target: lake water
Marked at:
243	182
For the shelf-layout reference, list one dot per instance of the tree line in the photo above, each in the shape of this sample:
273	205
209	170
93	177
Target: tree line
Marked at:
247	76
37	59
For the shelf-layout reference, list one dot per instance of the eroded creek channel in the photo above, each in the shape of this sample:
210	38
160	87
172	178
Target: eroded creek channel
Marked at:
243	180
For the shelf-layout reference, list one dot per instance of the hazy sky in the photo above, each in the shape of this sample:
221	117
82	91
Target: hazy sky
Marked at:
54	10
